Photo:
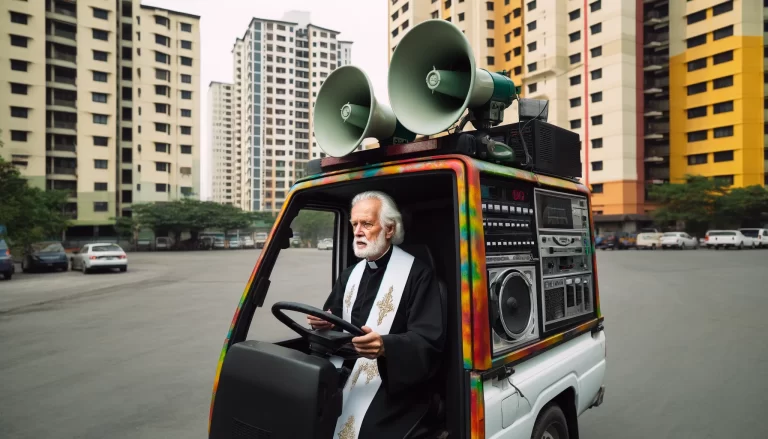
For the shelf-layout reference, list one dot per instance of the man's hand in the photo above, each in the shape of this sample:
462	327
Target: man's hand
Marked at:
318	323
369	345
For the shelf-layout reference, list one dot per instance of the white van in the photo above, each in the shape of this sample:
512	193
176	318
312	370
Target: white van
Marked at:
758	236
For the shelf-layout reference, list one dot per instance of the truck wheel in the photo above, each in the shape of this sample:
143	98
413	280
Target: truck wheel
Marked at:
551	424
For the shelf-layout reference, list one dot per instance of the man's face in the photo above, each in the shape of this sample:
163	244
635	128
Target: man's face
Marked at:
371	238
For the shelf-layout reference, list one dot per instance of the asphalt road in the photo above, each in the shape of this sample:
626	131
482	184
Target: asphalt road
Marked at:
132	355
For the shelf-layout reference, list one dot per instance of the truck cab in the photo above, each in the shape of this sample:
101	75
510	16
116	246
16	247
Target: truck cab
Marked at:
513	251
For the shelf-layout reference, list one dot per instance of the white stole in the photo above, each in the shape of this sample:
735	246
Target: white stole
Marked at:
364	381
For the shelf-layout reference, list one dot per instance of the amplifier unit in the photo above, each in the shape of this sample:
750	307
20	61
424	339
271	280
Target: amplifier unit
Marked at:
565	298
553	150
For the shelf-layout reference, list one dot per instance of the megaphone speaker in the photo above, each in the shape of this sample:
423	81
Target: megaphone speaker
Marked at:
346	112
433	79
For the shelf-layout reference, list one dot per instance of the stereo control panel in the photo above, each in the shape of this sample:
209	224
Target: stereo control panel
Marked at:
508	218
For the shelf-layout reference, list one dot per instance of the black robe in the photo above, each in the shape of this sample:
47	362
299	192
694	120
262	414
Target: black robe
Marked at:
412	349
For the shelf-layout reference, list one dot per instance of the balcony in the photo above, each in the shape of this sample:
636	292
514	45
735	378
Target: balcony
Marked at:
657	154
62	34
655	63
657	40
656	109
656	130
654	18
657	175
65	12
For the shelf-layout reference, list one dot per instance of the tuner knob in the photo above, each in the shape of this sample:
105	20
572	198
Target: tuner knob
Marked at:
543	239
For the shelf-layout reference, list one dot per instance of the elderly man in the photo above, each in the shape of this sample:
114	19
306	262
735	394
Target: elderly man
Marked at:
395	299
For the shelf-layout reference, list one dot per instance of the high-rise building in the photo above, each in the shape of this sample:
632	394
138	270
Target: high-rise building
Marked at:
101	99
224	176
656	89
279	66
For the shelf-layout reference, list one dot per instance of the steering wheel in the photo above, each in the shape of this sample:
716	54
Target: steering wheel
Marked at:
322	342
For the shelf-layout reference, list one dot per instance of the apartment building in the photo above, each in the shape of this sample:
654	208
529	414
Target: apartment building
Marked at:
656	89
224	176
279	67
101	99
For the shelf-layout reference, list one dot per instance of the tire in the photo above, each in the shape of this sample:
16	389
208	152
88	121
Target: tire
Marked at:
551	424
24	268
123	269
7	275
85	269
741	246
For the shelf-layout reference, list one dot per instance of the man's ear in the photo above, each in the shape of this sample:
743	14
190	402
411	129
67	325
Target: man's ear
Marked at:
390	232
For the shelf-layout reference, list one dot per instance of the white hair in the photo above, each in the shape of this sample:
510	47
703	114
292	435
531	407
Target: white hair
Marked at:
389	215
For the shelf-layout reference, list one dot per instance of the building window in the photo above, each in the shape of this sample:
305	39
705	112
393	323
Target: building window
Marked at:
186	79
162	57
575	80
186	113
532	88
186	27
100	164
186	61
20	112
489	42
100	206
186	130
697	88
697	64
100	119
99	76
19	136
100	141
597	166
596	74
722	8
518	71
723	107
696	41
596	51
723	132
517	12
508	37
575	102
186	44
697	136
490	60
532	46
162	167
575	124
488	6
574	15
597	97
575	58
99	55
722	57
697	159
99	187
160	187
531	5
99	34
596	28
186	94
574	36
723	156
597	120
722	33
19	41
725	81
531	25
517	31
694	113
461	16
532	67
162	147
162	40
724	179
597	143
101	13
597	188
507	18
697	17
186	149
508	56
517	51
489	24
19	66
99	97
595	6
19	18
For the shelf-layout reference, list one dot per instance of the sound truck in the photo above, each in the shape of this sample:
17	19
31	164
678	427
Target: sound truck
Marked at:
499	215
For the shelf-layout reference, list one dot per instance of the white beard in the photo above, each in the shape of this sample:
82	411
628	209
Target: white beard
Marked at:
372	248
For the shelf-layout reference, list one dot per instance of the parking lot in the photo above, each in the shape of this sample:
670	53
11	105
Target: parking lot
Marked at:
132	355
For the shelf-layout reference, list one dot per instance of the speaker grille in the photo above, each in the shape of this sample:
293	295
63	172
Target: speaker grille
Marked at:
242	430
554	304
546	144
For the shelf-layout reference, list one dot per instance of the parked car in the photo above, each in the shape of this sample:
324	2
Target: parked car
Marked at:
617	241
725	239
325	244
649	239
261	238
680	240
100	256
46	255
7	268
759	236
247	242
163	243
234	242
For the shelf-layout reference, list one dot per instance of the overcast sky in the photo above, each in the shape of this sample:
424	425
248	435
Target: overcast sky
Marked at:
363	22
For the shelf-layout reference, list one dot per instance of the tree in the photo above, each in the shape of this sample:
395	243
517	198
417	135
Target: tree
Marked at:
742	207
313	225
692	202
29	214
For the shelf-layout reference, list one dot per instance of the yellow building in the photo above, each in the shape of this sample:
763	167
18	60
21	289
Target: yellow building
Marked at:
101	99
656	89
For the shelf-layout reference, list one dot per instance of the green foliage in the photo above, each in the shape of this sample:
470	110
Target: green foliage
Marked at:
313	225
29	214
701	202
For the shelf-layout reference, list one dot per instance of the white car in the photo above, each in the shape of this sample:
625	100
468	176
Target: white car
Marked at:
649	238
100	255
727	238
759	237
679	240
325	244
